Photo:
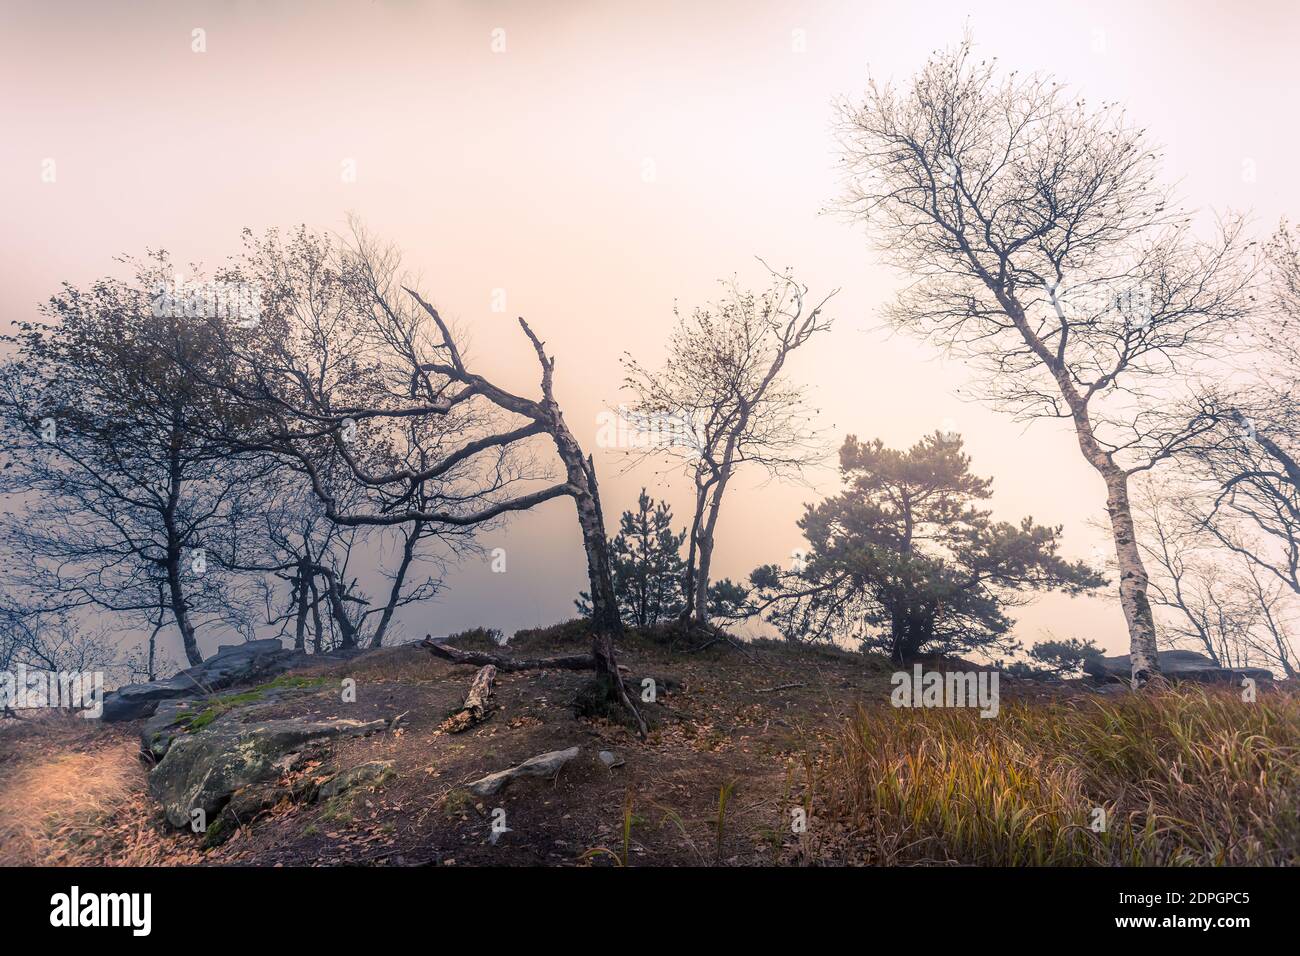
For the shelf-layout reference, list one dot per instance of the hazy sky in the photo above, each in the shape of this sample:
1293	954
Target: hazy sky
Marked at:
614	159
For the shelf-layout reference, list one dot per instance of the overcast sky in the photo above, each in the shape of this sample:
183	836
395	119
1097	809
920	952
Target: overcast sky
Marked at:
614	159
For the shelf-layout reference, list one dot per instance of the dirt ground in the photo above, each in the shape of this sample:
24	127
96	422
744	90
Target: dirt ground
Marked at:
740	730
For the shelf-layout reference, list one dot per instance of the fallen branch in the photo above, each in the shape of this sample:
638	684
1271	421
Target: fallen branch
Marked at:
723	639
569	662
478	702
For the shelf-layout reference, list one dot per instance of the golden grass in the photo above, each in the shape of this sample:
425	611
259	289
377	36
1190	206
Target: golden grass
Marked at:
1183	776
73	793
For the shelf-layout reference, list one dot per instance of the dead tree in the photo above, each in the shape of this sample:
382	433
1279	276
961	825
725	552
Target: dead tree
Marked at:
360	385
580	485
1041	250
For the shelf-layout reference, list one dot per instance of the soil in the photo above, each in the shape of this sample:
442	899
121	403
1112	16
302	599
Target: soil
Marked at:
739	729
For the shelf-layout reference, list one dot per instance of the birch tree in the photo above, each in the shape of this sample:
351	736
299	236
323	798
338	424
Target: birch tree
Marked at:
721	402
1040	247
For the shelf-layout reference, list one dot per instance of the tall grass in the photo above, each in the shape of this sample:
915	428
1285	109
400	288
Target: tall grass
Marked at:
1183	777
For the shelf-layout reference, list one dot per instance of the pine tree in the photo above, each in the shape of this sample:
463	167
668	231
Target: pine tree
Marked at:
647	565
903	560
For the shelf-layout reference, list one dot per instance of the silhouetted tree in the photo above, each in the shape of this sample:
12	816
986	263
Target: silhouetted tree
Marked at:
903	560
721	402
1041	248
117	499
1064	658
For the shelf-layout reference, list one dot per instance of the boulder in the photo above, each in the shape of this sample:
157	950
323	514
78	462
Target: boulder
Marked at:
232	664
203	770
543	765
185	715
165	725
1174	665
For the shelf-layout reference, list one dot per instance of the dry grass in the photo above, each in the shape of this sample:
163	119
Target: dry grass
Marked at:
1184	777
77	796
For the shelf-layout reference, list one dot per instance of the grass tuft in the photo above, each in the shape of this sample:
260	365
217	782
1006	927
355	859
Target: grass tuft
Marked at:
1184	777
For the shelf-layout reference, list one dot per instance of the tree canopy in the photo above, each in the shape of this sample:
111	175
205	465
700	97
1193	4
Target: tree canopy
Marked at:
904	560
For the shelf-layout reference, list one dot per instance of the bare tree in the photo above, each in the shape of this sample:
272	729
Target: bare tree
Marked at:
1042	250
358	382
1253	457
303	557
52	643
1215	599
116	500
721	402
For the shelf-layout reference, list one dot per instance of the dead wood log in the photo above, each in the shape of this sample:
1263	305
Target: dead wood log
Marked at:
478	702
569	662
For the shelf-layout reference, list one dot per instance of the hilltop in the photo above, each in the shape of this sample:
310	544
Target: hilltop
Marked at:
747	741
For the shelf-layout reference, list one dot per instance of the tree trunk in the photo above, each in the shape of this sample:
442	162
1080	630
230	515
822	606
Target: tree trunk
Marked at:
1133	579
399	578
300	626
605	620
478	703
569	662
180	610
581	477
700	599
1133	574
700	596
318	626
692	554
152	669
175	543
338	609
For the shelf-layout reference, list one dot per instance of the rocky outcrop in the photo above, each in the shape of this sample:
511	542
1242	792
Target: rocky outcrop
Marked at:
233	664
543	765
166	724
1174	665
201	771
